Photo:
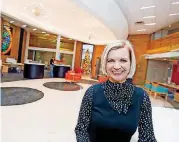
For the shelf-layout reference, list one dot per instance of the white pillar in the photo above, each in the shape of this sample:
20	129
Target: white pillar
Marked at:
58	48
27	46
73	59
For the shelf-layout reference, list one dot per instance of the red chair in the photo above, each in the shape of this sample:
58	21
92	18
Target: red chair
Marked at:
79	70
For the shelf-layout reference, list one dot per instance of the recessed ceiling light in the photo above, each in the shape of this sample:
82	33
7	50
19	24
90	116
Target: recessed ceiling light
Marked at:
150	24
140	30
11	21
173	14
147	7
177	2
43	32
23	26
34	29
147	17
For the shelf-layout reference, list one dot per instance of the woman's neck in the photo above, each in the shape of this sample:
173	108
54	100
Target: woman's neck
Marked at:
114	81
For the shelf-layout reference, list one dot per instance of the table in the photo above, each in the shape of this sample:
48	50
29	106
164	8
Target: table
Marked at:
33	70
59	71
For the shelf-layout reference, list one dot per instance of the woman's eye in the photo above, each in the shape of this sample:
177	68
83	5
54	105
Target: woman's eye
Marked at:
123	60
110	60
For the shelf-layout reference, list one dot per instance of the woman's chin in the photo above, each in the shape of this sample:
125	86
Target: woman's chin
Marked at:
117	78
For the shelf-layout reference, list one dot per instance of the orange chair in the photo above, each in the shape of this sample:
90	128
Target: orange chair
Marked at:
75	77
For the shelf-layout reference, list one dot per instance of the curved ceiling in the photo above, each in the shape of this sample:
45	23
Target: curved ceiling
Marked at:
67	18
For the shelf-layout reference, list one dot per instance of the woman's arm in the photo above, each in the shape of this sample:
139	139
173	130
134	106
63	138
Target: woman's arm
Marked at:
146	132
82	126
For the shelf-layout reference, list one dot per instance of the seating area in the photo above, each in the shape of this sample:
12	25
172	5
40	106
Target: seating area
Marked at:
154	89
74	76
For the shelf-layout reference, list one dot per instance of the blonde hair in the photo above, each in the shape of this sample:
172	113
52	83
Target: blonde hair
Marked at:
113	46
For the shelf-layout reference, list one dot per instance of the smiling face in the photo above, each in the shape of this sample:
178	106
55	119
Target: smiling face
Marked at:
118	64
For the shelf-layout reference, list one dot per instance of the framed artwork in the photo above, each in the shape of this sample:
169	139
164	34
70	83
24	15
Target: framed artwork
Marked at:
6	40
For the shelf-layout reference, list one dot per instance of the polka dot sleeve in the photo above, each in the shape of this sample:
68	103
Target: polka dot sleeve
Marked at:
81	129
146	132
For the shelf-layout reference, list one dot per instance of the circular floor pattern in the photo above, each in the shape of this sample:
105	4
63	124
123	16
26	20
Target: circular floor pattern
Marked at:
63	86
19	95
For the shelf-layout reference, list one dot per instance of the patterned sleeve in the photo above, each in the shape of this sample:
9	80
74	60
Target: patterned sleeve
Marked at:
146	132
81	128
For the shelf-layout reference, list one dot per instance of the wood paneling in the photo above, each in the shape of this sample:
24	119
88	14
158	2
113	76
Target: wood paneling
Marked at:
78	54
97	52
166	44
15	43
141	44
24	46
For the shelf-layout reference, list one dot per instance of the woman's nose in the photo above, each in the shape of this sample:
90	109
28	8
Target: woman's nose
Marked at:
117	65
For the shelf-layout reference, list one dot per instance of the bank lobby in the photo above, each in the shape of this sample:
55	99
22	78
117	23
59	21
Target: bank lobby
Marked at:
40	101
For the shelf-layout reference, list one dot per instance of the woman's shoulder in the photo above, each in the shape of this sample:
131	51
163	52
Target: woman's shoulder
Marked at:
139	91
95	86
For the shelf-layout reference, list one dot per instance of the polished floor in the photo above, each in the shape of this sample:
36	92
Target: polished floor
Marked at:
53	118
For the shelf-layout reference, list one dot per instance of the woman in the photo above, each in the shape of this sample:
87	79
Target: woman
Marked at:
112	111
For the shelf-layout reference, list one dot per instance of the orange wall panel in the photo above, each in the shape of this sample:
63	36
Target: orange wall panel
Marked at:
78	54
141	44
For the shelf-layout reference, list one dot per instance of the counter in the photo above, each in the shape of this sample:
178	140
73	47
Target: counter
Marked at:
59	71
33	70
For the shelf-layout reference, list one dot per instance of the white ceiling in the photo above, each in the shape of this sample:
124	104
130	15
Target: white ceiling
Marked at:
102	20
65	18
133	13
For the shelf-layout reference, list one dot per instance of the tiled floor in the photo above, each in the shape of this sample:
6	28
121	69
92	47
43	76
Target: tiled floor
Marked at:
53	118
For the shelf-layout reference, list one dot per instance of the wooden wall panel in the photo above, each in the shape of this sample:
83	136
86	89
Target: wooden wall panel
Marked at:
141	44
24	46
78	54
97	52
166	44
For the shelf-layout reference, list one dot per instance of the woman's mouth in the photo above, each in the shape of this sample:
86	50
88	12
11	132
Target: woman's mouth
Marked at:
116	73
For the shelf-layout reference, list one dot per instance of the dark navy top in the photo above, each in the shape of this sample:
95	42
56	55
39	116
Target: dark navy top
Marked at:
101	119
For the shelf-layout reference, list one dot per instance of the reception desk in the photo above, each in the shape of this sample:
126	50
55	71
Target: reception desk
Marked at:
33	70
59	71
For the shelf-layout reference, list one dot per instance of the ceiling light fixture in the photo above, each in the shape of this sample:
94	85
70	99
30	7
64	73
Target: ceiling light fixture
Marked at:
173	14
23	26
34	29
148	17
11	21
147	7
169	26
140	30
177	2
150	24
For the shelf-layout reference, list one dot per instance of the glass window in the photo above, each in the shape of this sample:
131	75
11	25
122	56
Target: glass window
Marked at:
40	56
66	59
67	44
43	40
87	54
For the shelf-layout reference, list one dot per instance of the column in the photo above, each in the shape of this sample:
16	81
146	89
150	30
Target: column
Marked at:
57	48
74	51
27	46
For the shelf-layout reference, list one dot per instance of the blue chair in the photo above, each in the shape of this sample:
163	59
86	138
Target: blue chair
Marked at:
159	90
147	87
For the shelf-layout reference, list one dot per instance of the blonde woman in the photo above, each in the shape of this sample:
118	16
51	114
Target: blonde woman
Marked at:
113	110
